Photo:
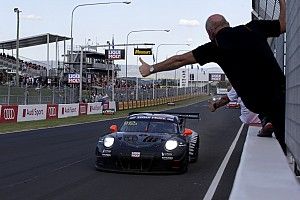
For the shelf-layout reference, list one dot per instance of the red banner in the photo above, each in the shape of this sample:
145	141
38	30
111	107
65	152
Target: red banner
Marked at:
52	111
8	113
82	108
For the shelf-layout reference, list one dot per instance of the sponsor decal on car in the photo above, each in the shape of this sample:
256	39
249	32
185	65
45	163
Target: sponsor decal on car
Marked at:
135	154
167	158
166	154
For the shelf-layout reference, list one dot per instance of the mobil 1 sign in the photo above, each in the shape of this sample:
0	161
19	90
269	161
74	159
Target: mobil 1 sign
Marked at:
115	54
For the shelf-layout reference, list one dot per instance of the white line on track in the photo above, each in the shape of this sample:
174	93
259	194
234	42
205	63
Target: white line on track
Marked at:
213	186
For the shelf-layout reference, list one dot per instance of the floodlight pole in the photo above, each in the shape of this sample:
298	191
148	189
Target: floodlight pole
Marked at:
16	10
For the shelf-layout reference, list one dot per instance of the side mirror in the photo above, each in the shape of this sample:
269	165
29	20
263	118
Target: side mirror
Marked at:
187	132
113	128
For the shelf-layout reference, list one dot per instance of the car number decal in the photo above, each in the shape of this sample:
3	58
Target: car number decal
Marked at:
135	154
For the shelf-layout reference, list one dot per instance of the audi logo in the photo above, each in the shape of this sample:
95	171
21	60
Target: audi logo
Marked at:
9	114
52	111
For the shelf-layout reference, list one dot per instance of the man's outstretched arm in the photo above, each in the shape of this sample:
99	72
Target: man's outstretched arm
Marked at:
282	16
171	63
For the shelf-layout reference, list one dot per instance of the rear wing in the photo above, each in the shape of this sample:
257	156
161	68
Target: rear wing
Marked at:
179	114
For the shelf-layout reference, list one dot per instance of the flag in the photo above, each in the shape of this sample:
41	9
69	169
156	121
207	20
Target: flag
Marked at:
113	42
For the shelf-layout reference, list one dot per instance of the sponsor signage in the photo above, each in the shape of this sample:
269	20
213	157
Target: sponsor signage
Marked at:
73	78
108	112
142	51
32	112
94	108
68	110
82	109
8	113
183	79
52	112
115	54
216	77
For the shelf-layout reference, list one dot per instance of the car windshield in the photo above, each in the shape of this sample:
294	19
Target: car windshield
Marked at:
151	126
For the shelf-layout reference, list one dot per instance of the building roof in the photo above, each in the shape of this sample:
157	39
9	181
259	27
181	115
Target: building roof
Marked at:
32	41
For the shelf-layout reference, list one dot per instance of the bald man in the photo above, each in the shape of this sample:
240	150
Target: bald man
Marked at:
247	60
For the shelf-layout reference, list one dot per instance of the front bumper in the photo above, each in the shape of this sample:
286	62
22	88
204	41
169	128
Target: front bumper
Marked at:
160	162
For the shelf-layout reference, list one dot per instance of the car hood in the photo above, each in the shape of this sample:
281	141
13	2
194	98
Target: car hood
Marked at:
143	139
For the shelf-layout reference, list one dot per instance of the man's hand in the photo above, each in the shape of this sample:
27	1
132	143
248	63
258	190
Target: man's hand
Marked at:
144	68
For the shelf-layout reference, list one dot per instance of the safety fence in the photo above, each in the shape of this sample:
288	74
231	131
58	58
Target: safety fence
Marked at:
34	112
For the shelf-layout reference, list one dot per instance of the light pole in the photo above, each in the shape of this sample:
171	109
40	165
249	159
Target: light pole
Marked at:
89	4
167	44
16	10
126	65
182	50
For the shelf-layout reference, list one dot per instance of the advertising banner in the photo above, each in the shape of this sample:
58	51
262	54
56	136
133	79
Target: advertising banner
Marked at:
52	111
216	77
73	78
83	109
115	54
32	112
8	113
142	51
112	105
68	110
94	108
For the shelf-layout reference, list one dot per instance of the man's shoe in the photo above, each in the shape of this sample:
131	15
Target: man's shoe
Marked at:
266	131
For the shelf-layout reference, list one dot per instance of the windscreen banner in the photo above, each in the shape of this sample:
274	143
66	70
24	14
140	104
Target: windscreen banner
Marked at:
32	112
68	110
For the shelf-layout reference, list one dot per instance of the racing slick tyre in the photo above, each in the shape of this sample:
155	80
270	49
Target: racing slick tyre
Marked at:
185	164
194	157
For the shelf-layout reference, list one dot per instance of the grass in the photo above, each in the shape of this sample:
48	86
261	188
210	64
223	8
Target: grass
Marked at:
13	127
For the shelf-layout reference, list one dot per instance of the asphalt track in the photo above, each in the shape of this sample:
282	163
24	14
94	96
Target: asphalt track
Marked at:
58	163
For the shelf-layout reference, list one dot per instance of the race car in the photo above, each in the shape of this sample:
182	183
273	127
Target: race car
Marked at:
233	104
149	142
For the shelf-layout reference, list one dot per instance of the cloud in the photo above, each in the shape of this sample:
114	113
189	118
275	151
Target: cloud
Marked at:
186	22
190	40
31	17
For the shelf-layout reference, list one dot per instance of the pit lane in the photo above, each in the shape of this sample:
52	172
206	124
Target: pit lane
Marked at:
59	163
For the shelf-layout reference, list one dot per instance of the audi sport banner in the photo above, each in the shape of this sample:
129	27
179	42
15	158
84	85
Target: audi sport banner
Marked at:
32	112
68	110
52	111
82	109
94	108
8	113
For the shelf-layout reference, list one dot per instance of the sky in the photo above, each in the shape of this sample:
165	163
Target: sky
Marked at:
100	23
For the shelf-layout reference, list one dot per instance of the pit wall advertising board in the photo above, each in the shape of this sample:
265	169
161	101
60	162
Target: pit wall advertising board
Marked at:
52	111
112	105
83	109
32	112
68	110
94	108
8	113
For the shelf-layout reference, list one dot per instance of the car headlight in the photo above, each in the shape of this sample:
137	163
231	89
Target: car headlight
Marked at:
171	144
108	141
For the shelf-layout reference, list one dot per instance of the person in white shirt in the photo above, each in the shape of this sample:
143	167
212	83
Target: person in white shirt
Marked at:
246	116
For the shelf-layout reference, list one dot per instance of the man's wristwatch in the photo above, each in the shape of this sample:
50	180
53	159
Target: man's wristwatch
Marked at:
151	69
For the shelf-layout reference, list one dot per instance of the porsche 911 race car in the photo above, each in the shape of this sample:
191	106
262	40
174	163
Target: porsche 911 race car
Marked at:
149	142
233	104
